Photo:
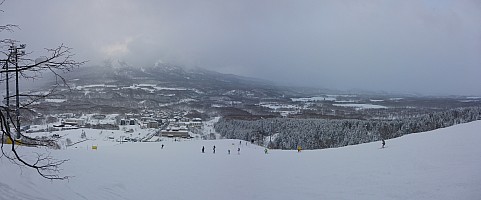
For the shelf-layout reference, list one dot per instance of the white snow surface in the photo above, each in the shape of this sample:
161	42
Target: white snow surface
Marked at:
360	106
311	99
439	164
55	100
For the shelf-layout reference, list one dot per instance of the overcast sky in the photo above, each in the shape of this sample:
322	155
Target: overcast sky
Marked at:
411	46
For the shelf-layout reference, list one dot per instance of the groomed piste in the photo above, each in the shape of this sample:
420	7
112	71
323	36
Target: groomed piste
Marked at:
439	164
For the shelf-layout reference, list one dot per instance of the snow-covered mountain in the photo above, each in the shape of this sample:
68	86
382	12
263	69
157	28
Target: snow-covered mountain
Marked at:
439	164
125	89
166	75
166	89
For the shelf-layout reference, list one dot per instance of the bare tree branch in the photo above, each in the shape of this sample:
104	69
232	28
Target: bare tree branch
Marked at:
45	165
57	60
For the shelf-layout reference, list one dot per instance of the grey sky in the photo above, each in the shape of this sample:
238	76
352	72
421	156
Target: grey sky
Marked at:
410	46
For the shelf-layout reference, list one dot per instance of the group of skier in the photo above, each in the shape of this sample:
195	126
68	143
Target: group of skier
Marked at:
228	150
299	148
213	150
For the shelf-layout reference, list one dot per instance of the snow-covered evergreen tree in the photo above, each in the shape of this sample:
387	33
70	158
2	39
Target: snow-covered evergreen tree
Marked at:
328	133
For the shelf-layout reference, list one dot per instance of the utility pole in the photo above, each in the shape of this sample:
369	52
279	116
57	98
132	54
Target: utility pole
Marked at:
8	87
15	50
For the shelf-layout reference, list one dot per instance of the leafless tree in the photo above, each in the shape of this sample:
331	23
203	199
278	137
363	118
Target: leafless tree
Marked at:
56	61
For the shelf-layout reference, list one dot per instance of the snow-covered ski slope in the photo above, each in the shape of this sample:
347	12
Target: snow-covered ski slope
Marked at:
440	164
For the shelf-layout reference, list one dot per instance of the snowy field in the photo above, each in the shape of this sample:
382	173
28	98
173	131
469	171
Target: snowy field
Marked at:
360	106
440	164
310	99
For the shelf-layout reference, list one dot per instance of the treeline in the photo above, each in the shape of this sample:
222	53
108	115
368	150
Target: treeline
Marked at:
287	133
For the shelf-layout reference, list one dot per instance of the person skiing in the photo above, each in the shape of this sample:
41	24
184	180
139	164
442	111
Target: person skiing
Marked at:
162	146
203	149
213	148
299	148
228	151
383	143
265	150
238	150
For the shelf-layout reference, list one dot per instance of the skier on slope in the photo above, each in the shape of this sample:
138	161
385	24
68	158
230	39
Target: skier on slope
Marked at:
213	149
203	148
265	150
238	150
299	148
383	143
